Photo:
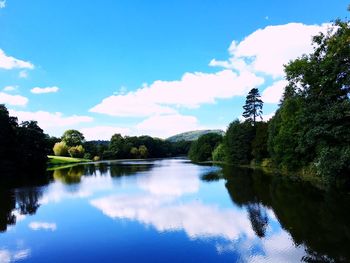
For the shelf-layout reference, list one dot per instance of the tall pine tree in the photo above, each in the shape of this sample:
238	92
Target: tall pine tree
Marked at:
253	106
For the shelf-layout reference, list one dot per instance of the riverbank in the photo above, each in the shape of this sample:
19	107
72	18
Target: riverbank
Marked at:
54	160
306	174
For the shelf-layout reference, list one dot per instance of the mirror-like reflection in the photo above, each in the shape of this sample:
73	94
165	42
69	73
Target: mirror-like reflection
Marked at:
188	212
317	219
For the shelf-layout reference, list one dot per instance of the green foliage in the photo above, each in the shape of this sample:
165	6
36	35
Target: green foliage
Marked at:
238	142
60	149
8	136
50	143
32	141
253	106
73	138
259	143
180	147
201	150
96	148
284	134
332	162
87	155
134	152
192	135
21	146
143	147
313	123
76	151
143	152
218	154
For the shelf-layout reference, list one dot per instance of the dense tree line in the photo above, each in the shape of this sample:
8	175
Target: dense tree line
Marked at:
72	143
143	147
22	146
310	132
311	129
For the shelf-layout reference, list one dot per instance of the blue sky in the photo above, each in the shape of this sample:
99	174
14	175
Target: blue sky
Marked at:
149	67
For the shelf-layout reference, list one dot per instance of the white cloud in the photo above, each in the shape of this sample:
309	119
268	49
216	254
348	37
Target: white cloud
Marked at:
164	126
129	105
43	226
10	88
13	100
7	256
7	62
23	74
273	93
2	3
47	120
103	132
194	89
267	50
267	117
38	90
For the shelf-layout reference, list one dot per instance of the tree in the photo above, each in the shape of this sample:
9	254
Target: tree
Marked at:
311	128
143	151
253	106
50	143
73	138
76	151
116	146
134	152
32	141
201	149
259	144
238	142
60	149
21	146
218	154
8	137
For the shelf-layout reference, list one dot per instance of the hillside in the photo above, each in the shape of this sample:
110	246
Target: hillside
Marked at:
192	135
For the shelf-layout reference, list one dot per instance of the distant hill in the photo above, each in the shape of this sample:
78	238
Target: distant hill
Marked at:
192	135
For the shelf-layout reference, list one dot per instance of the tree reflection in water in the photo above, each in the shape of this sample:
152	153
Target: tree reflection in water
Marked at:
317	219
22	201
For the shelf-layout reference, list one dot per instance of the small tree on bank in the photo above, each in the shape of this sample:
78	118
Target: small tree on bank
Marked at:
253	106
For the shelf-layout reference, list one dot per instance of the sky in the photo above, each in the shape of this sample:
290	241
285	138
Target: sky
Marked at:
150	67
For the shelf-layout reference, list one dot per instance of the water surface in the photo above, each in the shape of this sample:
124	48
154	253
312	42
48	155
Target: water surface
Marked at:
171	211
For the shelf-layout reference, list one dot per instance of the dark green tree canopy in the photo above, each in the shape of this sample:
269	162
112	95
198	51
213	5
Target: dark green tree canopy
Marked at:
253	106
73	138
312	126
201	149
238	142
21	146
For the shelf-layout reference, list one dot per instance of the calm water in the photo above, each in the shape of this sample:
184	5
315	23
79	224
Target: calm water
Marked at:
171	211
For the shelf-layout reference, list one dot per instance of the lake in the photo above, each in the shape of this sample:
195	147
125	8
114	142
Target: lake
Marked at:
171	210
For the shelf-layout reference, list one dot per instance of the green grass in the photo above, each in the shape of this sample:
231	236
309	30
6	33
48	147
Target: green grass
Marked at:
62	160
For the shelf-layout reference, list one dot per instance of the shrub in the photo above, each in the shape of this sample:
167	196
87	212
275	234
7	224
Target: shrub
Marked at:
143	152
60	149
218	154
76	151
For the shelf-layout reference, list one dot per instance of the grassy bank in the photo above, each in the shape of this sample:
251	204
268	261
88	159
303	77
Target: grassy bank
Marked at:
65	160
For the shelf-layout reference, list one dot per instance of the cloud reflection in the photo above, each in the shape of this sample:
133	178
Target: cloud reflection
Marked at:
174	182
7	256
43	226
195	218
